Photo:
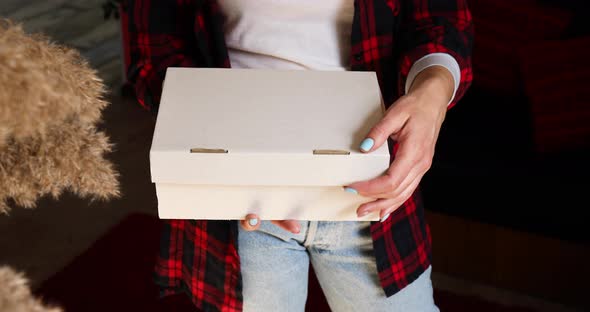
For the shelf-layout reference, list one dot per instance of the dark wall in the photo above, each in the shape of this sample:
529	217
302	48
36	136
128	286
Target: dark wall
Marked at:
514	152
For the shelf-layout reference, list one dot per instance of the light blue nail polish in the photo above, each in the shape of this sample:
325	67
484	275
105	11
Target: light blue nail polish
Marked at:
350	190
367	144
385	217
253	222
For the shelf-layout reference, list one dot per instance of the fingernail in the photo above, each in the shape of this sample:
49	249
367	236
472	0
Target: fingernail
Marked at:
363	213
367	144
385	217
253	222
350	190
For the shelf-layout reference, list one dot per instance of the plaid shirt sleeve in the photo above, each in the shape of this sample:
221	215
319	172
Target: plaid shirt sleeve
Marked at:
197	257
402	243
160	36
431	26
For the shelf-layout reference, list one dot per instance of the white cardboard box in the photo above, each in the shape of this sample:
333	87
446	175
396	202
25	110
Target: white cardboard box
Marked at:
281	144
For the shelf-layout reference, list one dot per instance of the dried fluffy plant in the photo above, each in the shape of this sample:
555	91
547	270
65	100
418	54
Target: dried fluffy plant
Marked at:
50	102
69	157
15	295
42	84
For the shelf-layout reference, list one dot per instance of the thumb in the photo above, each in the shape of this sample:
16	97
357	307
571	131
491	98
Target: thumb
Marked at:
391	123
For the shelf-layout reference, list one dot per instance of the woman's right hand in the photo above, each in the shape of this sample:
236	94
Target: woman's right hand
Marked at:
252	223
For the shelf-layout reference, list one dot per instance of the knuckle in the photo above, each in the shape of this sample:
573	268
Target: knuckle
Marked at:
391	185
379	130
392	182
421	151
427	163
407	193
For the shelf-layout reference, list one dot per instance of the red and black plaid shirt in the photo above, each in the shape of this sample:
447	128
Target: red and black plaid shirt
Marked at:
200	257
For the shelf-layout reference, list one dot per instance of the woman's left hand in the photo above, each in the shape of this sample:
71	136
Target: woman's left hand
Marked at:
413	121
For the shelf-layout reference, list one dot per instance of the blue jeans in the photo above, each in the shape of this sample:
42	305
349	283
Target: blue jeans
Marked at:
275	266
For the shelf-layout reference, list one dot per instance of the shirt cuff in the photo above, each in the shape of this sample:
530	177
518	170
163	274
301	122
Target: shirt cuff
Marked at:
433	59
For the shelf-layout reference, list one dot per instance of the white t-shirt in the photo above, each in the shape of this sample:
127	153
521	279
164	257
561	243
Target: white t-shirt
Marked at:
288	34
301	34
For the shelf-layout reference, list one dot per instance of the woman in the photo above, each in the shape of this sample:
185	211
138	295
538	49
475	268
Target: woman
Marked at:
420	50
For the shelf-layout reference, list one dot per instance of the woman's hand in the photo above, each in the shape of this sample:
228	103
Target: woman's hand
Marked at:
252	223
413	121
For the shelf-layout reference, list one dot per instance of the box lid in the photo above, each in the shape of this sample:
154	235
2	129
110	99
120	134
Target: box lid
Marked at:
266	127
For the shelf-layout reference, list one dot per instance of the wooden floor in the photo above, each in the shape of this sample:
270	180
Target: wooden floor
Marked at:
77	23
509	266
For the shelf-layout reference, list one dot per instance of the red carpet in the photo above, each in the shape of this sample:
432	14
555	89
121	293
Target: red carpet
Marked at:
115	275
